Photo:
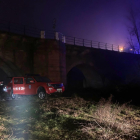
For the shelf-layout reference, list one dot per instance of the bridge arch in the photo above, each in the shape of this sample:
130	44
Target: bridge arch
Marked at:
84	75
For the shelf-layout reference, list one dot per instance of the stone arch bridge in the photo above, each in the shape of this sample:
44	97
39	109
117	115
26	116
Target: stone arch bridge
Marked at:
75	66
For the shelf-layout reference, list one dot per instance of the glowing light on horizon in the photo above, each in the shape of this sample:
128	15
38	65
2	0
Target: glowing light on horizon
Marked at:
121	49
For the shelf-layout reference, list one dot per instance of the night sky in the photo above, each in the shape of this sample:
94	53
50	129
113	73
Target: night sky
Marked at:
97	20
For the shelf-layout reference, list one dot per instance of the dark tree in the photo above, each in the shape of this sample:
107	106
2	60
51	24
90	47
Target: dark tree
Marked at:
134	29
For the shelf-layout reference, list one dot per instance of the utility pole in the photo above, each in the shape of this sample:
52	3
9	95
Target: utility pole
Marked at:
54	26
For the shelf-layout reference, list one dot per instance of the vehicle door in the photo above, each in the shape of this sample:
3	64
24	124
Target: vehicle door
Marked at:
18	85
30	86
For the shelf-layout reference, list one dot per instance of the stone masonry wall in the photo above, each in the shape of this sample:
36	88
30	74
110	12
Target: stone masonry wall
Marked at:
34	55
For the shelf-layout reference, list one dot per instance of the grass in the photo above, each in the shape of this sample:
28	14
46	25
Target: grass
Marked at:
68	119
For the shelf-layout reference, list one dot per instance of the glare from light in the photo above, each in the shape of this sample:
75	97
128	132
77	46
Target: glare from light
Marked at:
121	49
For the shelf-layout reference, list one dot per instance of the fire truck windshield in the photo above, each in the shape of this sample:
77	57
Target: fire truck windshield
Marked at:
42	79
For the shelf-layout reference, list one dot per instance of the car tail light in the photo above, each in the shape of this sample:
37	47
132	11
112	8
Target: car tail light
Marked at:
1	83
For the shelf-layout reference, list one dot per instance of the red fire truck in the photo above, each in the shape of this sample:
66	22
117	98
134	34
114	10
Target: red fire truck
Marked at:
32	84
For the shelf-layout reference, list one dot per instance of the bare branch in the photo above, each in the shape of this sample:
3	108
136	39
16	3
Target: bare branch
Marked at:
134	30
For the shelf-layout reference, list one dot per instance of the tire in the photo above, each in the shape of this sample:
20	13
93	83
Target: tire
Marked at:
13	96
41	94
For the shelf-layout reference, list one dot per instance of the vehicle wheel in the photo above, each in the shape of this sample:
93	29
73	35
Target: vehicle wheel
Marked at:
41	94
13	96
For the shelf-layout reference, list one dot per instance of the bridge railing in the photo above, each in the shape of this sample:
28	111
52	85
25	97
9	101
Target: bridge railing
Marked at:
24	29
50	34
96	44
92	44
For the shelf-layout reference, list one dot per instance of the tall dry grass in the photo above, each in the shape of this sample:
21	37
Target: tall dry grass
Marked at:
109	123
